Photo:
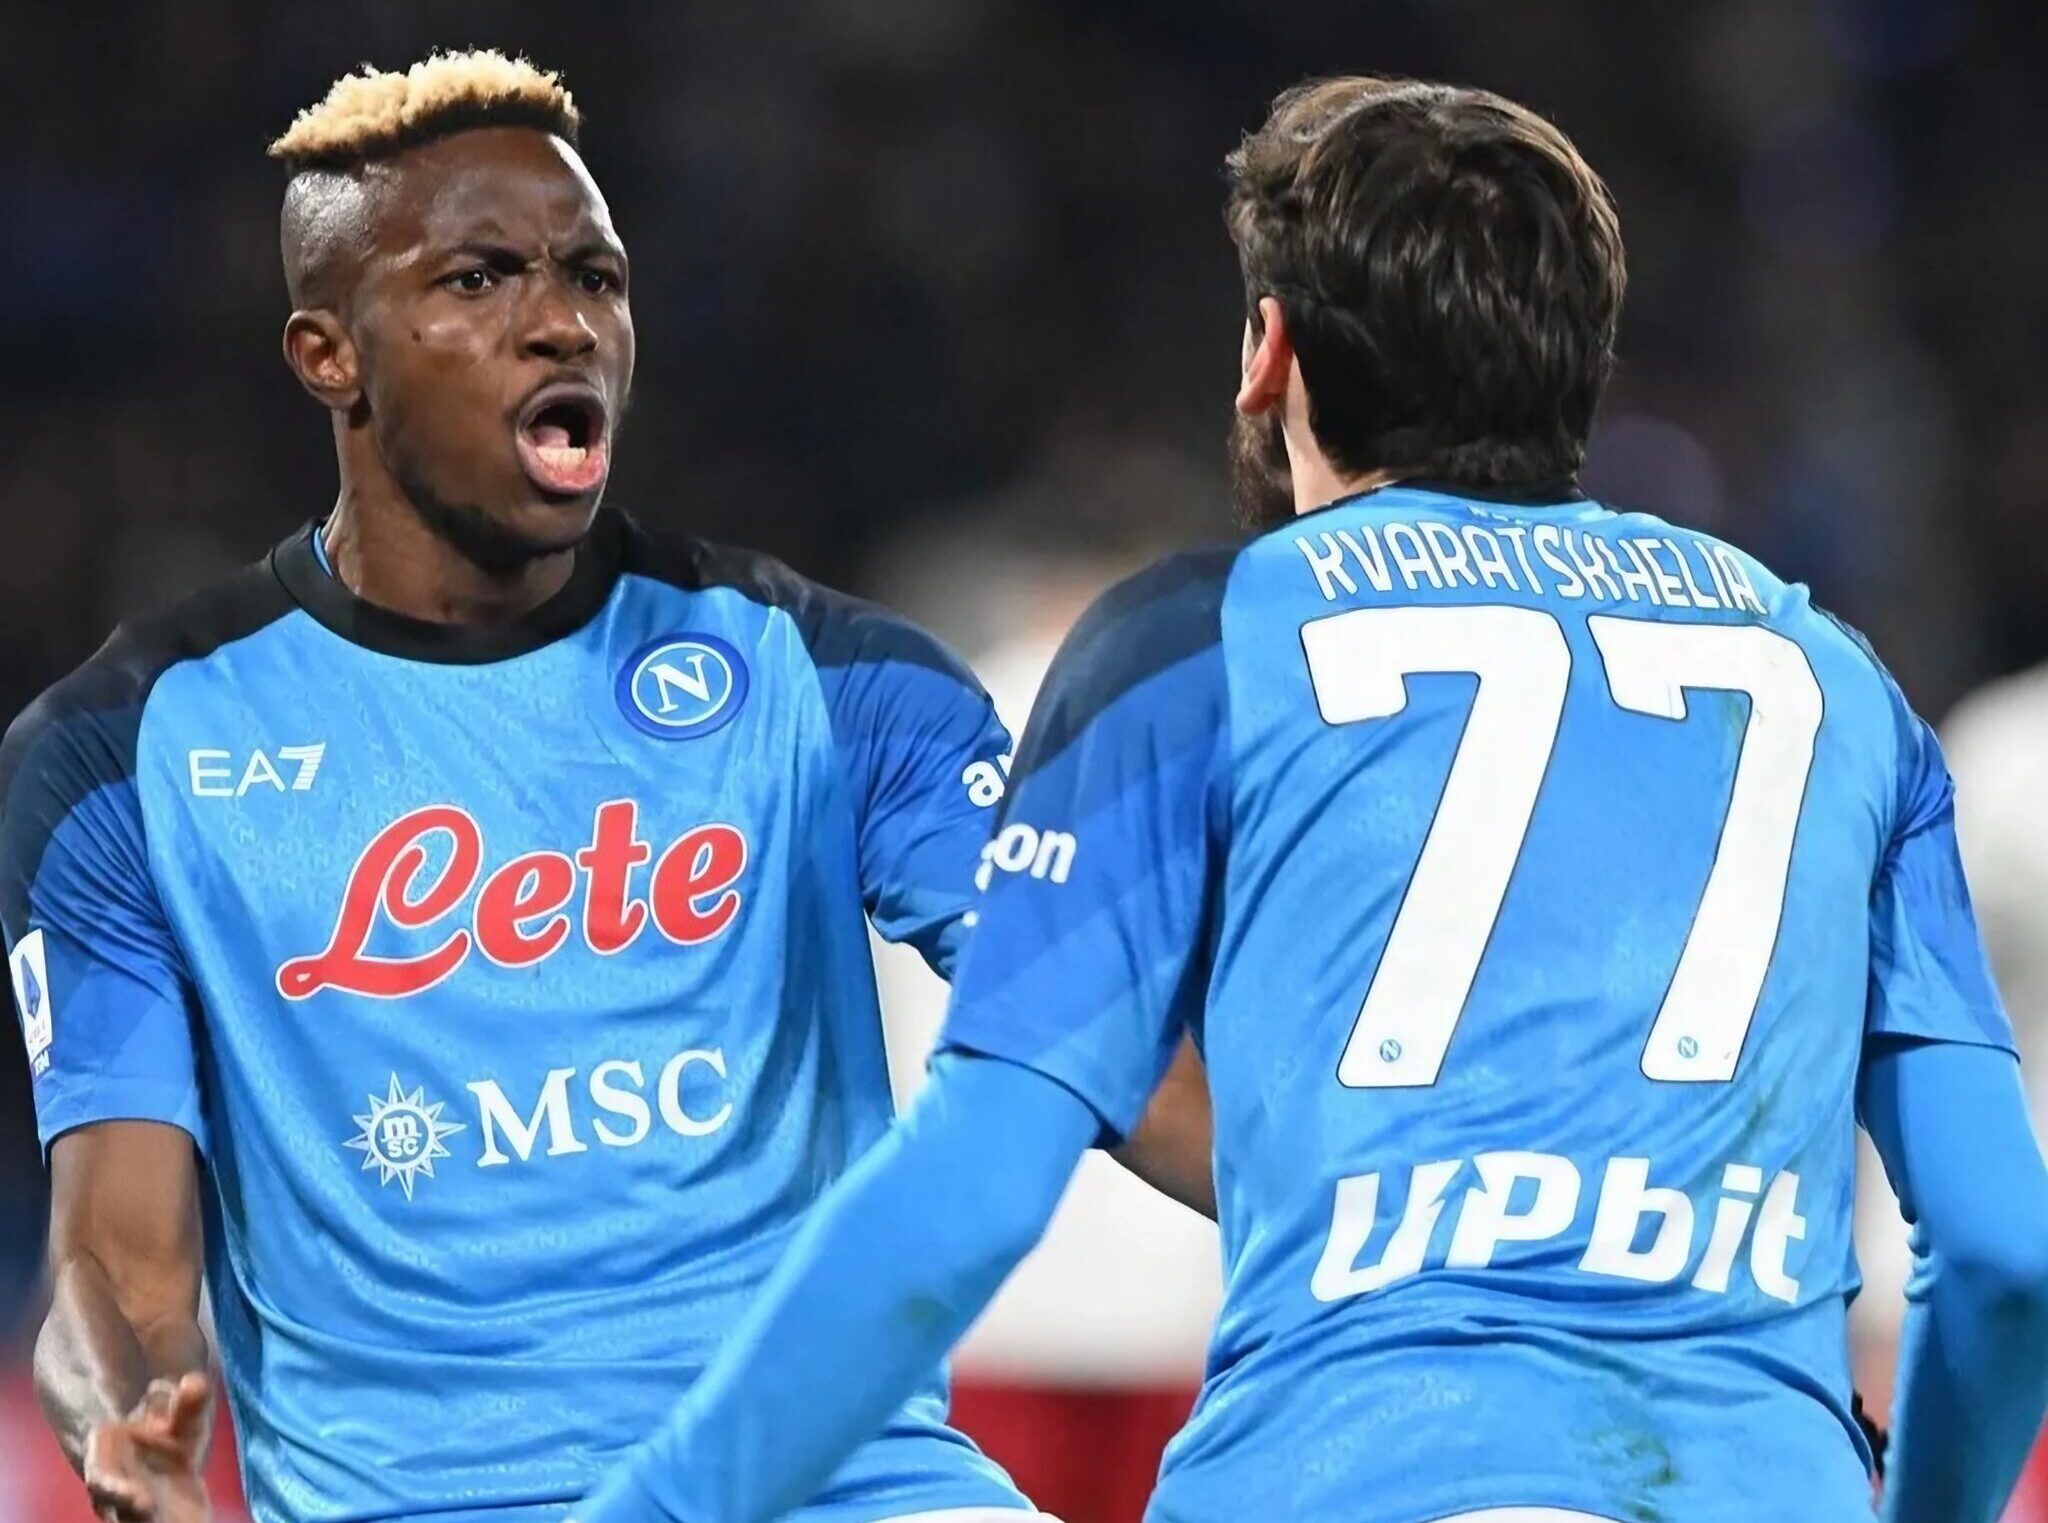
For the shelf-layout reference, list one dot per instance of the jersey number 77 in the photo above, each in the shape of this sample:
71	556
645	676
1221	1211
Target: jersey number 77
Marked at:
1359	663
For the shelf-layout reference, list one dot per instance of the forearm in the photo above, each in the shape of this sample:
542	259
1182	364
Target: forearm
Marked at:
92	1363
1973	1383
125	1251
1952	1125
885	1277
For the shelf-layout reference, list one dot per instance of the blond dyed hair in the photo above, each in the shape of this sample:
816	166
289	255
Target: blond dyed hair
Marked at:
376	113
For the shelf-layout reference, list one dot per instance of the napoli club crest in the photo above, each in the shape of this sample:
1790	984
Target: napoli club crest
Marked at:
682	686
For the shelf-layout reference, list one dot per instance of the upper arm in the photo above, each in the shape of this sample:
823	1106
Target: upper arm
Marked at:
925	757
1091	957
98	978
1172	1149
1929	977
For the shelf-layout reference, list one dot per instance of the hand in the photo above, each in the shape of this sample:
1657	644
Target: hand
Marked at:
145	1468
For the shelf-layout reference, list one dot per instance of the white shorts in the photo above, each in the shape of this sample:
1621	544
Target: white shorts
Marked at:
980	1515
1526	1515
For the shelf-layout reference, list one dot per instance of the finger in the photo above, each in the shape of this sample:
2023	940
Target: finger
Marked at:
157	1400
121	1499
112	1477
192	1406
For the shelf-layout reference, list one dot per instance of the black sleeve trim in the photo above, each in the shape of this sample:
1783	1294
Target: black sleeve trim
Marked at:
837	628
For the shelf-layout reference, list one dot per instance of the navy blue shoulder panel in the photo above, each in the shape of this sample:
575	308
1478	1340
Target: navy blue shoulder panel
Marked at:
80	735
838	629
1166	614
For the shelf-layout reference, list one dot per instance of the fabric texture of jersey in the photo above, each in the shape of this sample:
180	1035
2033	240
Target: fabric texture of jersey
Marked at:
1534	877
513	984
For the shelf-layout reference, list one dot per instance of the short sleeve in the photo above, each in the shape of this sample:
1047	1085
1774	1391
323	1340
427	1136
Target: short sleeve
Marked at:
926	758
99	982
1929	977
1091	954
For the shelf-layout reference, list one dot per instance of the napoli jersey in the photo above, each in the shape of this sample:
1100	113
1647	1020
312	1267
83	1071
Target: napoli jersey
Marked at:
1533	877
514	985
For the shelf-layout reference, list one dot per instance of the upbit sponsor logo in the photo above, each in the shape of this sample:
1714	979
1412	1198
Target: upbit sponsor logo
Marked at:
1535	1198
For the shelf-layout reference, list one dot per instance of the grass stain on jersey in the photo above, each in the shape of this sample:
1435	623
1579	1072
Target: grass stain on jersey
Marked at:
1641	1467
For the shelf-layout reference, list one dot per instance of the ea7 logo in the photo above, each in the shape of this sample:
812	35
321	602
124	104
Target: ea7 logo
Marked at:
215	775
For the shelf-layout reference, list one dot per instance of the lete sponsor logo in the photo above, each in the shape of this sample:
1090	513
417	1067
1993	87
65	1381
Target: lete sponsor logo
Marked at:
521	914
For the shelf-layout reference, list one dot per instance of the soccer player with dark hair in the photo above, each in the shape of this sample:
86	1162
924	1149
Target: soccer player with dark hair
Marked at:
451	930
1550	888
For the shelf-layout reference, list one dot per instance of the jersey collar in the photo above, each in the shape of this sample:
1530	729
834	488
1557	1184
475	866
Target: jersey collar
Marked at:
297	564
1562	493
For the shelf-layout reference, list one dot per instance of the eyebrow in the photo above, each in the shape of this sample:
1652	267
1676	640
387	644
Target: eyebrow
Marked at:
591	247
495	250
488	248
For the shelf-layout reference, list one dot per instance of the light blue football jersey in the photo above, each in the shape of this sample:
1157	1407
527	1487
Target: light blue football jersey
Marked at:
514	985
1533	877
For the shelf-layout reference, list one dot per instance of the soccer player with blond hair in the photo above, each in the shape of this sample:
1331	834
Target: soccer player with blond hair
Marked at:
446	936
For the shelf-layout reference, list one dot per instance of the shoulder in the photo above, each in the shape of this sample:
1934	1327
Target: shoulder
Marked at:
1148	623
838	629
1162	621
73	751
88	721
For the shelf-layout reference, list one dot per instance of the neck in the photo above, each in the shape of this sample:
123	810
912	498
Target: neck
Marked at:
383	551
1323	484
1318	482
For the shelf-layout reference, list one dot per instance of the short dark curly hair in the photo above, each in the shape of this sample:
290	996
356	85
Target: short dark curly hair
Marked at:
1451	273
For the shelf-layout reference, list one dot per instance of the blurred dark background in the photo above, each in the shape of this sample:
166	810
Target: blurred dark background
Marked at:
908	269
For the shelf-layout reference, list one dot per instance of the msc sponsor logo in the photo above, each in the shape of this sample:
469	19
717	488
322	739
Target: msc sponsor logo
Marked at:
619	1090
682	686
402	1136
216	774
618	1104
1536	1197
521	914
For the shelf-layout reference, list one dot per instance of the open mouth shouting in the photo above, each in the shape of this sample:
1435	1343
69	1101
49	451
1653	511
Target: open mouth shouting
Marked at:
562	443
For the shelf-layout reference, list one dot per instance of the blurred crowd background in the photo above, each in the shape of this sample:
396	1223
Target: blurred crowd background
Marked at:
934	301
